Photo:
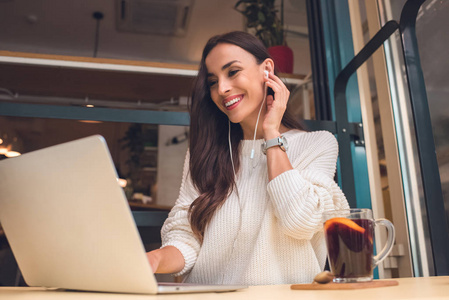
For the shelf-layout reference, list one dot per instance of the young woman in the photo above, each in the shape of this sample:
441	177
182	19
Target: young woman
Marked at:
254	184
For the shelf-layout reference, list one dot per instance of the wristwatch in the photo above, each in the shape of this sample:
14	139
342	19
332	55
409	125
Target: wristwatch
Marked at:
280	141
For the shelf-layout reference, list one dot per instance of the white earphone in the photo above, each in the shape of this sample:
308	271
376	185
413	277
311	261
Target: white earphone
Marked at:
260	110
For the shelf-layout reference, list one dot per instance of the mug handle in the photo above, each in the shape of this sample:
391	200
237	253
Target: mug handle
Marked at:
390	241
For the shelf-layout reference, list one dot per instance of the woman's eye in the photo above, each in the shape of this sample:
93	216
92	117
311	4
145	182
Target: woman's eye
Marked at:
211	83
233	72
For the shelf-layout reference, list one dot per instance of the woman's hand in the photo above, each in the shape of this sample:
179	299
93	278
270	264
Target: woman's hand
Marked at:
154	260
277	160
275	107
166	260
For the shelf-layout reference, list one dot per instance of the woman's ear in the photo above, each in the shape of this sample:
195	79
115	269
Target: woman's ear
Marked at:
268	65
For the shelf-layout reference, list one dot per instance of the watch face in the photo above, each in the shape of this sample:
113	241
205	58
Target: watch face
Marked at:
284	143
280	141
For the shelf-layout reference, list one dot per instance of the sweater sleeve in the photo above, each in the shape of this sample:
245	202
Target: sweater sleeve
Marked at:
300	196
176	230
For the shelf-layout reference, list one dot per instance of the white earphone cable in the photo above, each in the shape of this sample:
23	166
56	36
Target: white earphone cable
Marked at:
258	116
239	201
235	179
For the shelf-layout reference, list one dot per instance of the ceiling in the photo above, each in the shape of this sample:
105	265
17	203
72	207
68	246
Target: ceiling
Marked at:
67	27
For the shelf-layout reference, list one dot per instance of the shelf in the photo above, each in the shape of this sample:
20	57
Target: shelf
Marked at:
150	148
70	80
114	64
142	206
98	63
75	81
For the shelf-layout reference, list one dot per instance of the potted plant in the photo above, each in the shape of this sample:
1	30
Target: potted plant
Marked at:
262	17
141	160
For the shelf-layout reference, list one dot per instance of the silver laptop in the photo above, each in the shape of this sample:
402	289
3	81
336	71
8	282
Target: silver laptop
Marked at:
70	226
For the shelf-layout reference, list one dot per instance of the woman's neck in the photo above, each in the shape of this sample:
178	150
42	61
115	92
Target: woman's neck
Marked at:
249	124
248	132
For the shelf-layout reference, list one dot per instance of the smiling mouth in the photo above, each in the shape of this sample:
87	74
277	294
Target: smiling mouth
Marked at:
233	101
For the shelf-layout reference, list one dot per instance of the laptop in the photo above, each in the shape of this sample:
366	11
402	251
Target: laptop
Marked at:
69	224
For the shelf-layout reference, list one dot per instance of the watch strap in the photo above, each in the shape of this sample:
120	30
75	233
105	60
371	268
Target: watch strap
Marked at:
278	141
272	142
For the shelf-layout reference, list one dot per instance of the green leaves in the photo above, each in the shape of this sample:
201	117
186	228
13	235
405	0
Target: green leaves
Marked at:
262	16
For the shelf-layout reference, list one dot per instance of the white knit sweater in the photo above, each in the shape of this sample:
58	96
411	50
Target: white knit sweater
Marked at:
281	239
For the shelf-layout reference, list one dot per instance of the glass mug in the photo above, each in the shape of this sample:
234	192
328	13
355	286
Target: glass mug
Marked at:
349	238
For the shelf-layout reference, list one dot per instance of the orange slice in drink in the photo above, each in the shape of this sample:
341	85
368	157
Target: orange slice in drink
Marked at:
344	221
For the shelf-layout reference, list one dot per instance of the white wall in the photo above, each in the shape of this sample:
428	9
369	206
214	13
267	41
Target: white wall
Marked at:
169	164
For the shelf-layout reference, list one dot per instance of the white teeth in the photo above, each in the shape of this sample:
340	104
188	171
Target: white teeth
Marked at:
227	104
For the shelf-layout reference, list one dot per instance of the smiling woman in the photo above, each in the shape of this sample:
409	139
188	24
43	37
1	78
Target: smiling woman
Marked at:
250	208
235	65
236	83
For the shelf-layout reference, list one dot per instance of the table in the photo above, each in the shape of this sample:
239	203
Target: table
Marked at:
408	288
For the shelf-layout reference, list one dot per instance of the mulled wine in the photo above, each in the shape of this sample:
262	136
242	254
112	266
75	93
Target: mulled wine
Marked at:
350	248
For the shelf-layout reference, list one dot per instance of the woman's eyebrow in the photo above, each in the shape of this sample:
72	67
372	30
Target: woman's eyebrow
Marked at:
225	66
229	64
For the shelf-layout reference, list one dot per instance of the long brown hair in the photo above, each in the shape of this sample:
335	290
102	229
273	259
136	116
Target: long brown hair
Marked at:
210	165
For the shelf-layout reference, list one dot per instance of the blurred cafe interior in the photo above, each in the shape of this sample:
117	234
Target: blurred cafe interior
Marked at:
71	69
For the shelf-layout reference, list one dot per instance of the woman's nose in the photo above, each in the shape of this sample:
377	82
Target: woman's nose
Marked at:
224	87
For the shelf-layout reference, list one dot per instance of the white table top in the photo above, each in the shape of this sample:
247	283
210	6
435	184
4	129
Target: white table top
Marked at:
408	288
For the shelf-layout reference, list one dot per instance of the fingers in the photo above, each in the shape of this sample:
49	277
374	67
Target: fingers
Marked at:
281	93
270	100
276	106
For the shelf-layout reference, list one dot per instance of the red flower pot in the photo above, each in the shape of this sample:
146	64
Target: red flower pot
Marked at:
283	58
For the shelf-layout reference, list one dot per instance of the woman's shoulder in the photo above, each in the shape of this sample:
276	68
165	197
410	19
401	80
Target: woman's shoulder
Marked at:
317	147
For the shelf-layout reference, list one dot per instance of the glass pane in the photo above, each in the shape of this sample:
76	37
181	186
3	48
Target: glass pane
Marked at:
432	40
431	31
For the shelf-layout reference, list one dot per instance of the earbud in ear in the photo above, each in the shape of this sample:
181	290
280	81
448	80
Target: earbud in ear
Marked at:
266	73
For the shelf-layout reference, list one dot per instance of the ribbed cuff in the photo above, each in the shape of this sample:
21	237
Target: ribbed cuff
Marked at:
187	252
285	186
297	209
